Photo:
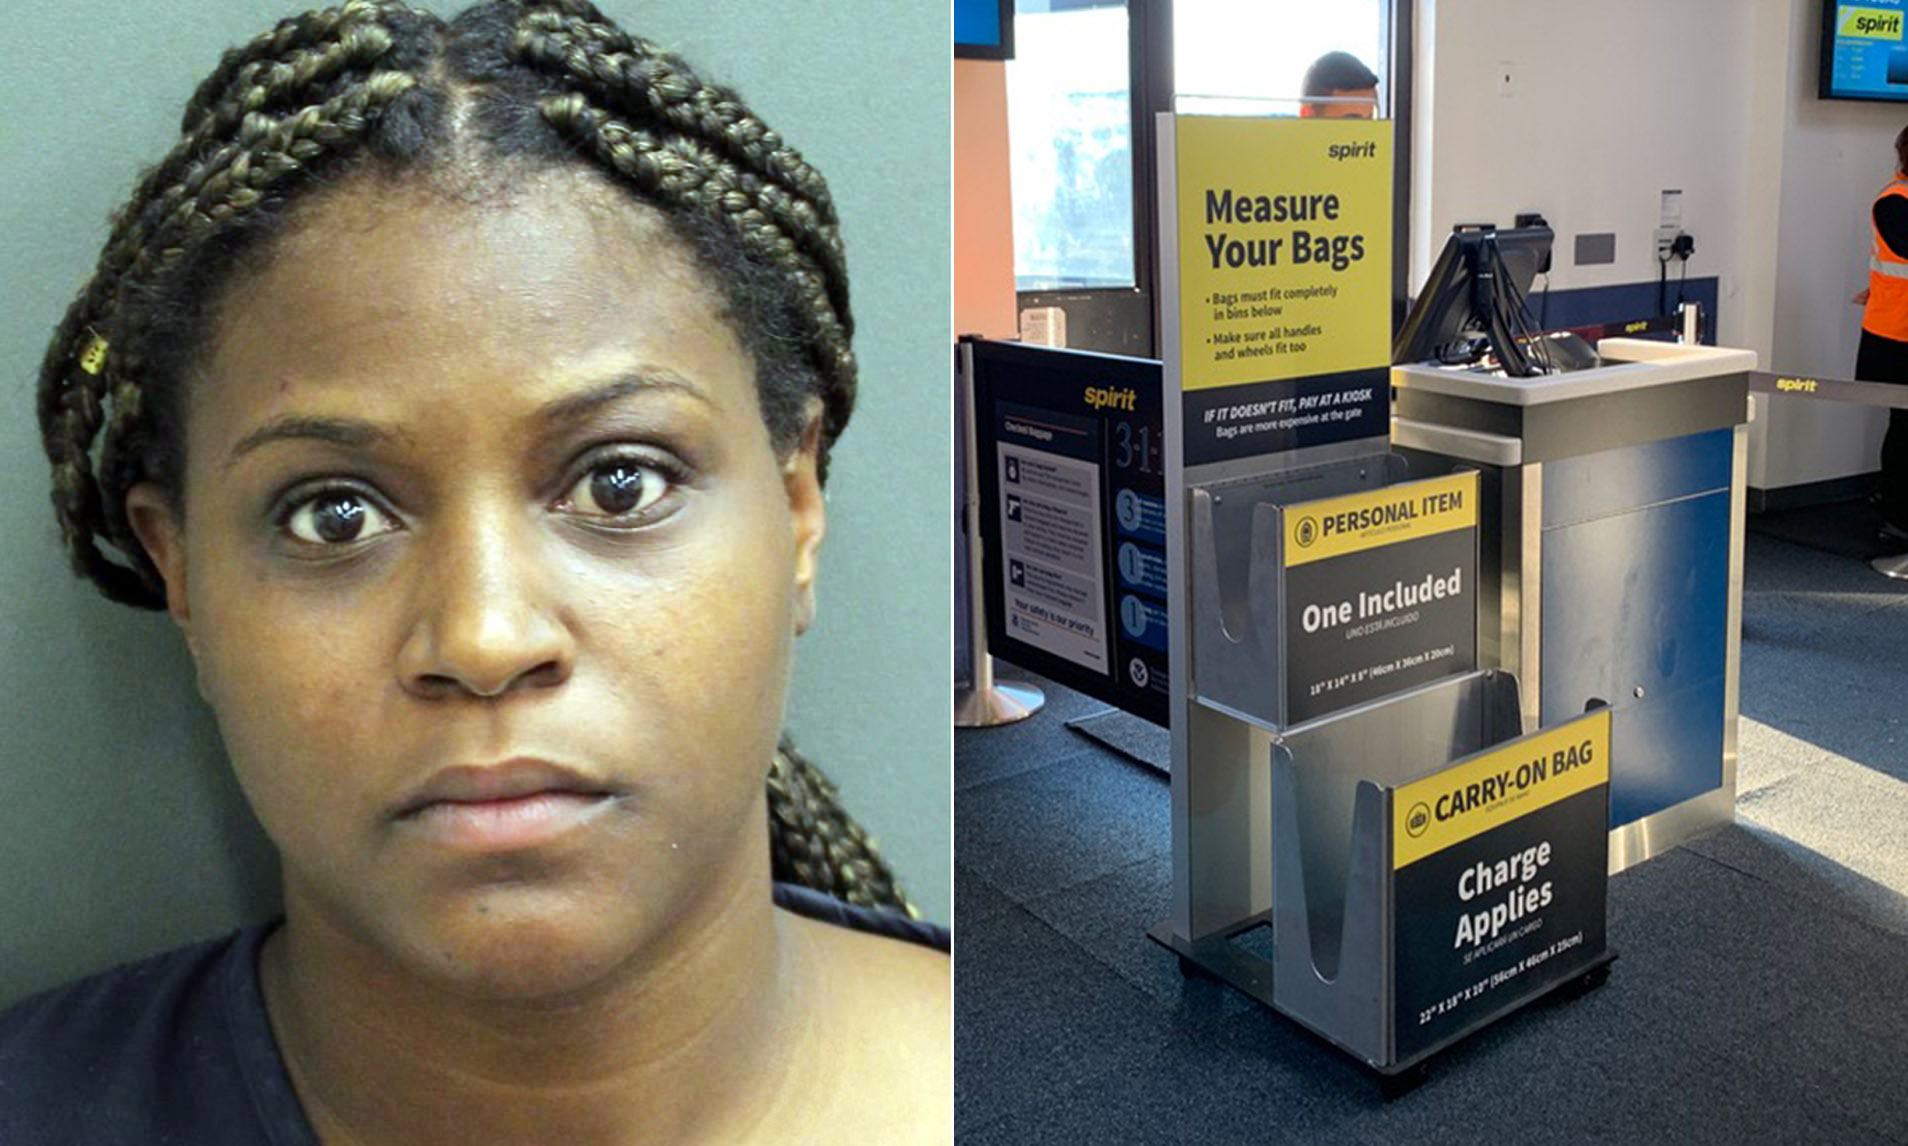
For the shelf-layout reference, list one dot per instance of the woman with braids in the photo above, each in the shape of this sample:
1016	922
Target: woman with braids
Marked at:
464	391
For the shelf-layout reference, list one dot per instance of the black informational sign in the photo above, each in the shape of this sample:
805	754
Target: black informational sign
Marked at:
1379	622
1380	593
1500	880
1257	418
1073	518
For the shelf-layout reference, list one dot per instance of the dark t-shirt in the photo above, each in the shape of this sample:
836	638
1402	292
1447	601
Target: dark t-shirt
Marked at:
176	1050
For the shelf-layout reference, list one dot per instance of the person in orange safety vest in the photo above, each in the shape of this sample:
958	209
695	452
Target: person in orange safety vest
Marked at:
1883	354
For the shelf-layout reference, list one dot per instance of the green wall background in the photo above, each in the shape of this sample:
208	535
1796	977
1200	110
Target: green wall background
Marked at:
121	832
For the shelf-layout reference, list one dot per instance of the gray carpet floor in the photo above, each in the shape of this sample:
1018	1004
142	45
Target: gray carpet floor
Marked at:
1761	995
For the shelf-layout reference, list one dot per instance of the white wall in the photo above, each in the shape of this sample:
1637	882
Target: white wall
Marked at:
1611	104
1835	156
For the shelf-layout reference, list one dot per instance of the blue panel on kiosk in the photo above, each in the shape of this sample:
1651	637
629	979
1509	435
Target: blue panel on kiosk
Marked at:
1640	600
1665	749
1596	485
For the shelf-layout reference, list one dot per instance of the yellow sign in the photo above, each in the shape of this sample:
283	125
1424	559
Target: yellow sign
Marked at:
1284	248
1870	23
1499	786
1315	530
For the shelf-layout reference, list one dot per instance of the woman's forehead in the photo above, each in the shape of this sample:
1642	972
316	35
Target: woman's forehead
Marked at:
383	289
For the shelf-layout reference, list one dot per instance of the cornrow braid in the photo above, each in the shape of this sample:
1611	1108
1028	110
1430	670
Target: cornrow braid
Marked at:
234	179
371	85
277	64
814	843
635	78
646	116
676	170
200	184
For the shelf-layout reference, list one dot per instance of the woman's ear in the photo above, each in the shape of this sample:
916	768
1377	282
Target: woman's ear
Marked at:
801	479
162	534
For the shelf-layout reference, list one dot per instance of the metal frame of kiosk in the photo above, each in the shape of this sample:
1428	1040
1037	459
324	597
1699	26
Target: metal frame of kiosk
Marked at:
1663	427
1293	818
1221	788
980	701
1302	825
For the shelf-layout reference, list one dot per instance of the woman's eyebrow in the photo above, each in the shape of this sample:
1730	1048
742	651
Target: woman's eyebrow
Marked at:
358	434
574	407
348	433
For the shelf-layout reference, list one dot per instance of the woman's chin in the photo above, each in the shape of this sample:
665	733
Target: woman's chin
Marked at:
507	950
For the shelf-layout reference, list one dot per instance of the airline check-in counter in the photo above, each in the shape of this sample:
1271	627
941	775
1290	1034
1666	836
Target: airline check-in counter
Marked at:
1610	568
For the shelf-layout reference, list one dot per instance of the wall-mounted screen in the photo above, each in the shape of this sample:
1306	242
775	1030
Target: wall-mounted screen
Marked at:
1864	55
984	29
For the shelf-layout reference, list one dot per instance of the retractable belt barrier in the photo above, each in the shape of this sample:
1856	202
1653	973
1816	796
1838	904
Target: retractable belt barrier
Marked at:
1660	324
1886	394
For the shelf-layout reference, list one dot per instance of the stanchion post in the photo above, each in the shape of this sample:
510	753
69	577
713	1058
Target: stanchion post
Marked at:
981	702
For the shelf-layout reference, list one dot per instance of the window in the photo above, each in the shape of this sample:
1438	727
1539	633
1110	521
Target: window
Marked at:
1070	117
1085	81
1232	56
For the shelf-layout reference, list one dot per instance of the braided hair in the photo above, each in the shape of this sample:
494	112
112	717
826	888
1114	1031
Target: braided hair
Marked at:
505	87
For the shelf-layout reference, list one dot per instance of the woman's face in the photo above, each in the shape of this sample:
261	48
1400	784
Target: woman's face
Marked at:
492	576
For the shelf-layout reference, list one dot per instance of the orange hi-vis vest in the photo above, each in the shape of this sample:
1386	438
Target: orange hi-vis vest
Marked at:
1887	311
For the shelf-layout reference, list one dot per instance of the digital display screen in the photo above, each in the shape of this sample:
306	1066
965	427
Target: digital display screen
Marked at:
1864	54
984	29
977	22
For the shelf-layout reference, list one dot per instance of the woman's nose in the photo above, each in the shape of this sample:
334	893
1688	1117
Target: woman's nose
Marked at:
486	617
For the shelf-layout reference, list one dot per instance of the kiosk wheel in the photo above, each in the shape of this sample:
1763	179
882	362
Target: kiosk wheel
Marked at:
1392	1087
1577	988
1590	980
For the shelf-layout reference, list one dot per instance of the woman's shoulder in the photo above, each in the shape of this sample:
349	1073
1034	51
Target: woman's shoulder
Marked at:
888	967
131	1053
887	1029
899	984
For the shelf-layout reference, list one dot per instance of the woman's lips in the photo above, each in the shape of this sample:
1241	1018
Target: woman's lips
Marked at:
519	803
508	824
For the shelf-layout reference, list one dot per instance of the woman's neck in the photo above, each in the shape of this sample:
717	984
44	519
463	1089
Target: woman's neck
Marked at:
687	1044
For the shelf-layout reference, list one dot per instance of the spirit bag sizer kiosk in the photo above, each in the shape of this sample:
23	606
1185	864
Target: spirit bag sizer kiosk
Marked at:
1413	808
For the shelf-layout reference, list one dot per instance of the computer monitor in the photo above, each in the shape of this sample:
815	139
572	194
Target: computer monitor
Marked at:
1476	291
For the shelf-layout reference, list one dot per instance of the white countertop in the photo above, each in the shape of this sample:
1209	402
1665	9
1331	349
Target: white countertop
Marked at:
1637	364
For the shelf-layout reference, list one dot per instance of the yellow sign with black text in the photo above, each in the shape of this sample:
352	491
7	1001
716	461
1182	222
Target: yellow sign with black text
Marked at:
1284	247
1499	786
1335	526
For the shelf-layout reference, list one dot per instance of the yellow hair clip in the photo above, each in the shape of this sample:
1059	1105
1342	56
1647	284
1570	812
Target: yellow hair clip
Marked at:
93	358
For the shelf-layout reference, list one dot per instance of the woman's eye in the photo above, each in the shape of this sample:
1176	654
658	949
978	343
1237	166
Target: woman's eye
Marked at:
621	487
337	517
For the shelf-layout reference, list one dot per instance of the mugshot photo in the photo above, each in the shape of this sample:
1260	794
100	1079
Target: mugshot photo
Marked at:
477	612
